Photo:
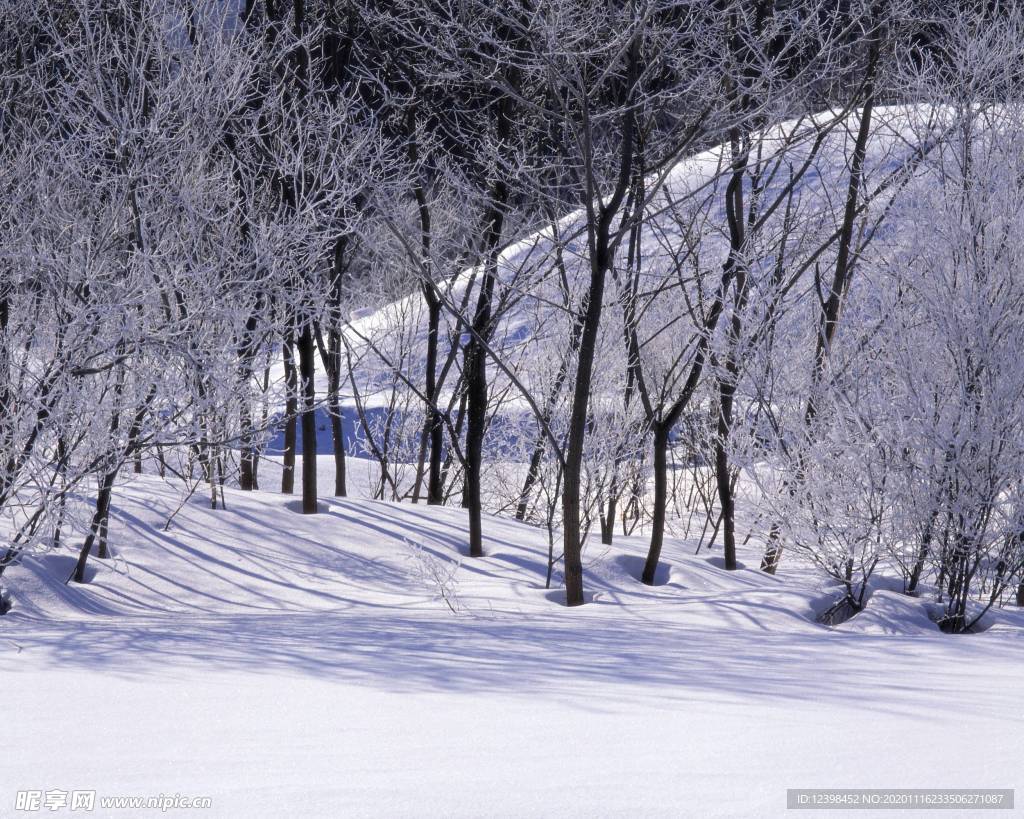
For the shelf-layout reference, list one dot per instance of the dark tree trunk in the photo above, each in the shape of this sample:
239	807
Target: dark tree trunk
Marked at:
476	412
601	259
723	477
247	459
331	358
532	473
772	552
246	354
102	510
221	480
922	554
670	418
101	547
62	457
307	368
736	215
336	413
333	366
264	417
572	534
5	374
101	518
660	452
433	431
435	423
608	519
59	524
432	436
475	359
291	381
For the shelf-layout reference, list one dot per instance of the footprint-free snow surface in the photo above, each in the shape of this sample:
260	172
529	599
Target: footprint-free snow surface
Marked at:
356	663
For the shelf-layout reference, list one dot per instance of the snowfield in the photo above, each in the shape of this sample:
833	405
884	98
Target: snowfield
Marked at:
355	663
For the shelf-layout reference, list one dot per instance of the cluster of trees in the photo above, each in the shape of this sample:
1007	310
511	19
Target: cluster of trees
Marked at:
627	262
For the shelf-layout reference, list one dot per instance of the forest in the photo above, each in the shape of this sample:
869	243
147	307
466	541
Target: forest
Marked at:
437	386
769	261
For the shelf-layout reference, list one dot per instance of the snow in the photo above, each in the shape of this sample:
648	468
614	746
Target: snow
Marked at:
290	665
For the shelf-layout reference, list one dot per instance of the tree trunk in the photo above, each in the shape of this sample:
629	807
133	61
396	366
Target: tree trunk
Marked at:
736	213
434	420
102	509
601	259
572	547
922	555
432	435
772	552
475	359
532	473
290	411
264	417
307	369
337	437
660	452
247	460
724	481
476	415
101	548
332	363
333	367
5	369
608	519
578	420
433	432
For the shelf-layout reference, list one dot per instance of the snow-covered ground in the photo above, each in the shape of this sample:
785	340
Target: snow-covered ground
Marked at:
290	665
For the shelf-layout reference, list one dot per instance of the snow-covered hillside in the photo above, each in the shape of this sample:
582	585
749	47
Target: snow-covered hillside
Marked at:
355	663
538	314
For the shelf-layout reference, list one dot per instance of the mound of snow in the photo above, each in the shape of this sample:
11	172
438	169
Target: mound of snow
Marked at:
889	612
